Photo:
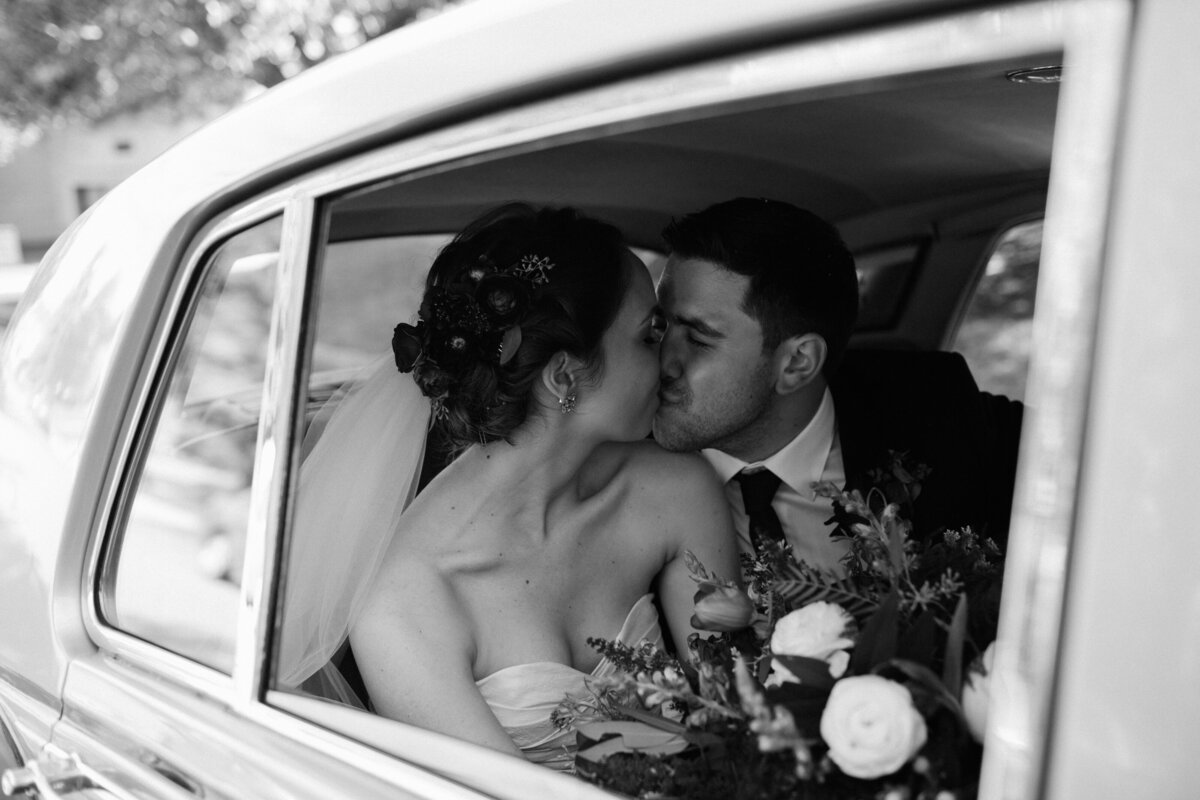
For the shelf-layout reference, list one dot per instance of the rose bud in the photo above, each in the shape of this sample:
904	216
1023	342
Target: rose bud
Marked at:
406	346
977	693
721	608
502	297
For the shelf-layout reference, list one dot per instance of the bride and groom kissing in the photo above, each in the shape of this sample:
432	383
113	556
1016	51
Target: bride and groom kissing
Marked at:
544	357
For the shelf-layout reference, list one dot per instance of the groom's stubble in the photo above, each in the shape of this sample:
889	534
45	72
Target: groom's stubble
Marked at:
727	412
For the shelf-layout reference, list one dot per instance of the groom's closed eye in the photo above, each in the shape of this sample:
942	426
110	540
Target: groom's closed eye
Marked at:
700	333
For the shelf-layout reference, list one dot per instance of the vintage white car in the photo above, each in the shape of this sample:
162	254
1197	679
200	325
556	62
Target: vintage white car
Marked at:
156	380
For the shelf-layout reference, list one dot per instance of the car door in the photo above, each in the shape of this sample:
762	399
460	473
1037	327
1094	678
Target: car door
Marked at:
178	596
157	710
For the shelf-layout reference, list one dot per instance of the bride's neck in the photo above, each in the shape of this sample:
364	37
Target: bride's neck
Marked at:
546	461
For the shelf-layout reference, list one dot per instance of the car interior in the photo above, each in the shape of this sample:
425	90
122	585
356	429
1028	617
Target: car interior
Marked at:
963	148
929	208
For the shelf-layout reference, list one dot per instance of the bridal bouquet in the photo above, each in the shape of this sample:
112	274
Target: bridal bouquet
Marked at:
812	685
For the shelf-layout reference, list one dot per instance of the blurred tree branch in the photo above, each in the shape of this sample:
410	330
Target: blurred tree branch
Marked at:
92	59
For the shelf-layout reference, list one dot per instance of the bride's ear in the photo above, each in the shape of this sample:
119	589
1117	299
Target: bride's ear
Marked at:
561	375
798	361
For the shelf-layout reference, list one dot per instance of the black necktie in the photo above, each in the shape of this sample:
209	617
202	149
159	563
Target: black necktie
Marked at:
758	489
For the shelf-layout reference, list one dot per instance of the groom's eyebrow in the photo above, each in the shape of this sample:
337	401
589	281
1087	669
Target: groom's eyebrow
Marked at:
699	326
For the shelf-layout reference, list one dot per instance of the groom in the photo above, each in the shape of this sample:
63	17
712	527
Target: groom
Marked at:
760	299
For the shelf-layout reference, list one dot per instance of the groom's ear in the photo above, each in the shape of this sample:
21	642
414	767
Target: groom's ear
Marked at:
798	361
561	375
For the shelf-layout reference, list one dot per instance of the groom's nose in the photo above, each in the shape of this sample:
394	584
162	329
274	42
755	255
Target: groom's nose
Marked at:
670	354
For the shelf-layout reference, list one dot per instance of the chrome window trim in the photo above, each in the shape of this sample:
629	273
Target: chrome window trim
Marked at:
130	451
276	450
1016	756
403	772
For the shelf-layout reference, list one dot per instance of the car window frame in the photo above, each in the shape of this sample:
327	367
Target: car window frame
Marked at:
1097	40
170	370
1044	502
166	347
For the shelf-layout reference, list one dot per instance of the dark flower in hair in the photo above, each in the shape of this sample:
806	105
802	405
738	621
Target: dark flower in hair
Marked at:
482	269
406	345
454	347
435	383
454	311
503	298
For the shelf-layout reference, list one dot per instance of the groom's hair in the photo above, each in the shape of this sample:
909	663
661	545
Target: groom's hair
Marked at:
802	276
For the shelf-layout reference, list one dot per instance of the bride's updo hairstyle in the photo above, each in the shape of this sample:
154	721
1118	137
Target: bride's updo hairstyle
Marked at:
512	289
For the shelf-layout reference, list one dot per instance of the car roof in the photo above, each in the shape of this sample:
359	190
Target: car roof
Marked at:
416	77
965	127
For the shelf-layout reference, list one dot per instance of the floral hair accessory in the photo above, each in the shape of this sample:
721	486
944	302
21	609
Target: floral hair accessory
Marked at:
502	298
535	269
473	316
406	345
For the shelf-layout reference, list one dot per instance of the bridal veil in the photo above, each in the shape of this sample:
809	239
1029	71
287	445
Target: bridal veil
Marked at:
358	477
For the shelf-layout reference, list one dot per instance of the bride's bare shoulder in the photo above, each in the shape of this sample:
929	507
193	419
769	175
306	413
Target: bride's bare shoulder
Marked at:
676	495
655	470
409	570
412	594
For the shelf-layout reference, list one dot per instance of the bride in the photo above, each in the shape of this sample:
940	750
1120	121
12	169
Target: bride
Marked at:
537	352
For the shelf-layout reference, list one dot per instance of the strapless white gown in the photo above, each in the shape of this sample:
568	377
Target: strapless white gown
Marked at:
523	696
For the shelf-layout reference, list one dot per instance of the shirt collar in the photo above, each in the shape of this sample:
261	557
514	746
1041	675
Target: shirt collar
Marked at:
799	463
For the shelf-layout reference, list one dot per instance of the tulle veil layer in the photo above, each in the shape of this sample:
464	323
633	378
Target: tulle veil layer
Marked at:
365	451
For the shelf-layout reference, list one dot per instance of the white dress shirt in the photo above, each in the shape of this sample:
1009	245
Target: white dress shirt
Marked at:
814	455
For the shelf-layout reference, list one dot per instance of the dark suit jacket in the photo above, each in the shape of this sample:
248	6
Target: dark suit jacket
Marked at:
928	404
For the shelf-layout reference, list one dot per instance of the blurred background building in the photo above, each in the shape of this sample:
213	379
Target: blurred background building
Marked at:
46	184
91	90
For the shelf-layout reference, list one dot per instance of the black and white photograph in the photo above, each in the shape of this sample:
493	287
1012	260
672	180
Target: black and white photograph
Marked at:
659	399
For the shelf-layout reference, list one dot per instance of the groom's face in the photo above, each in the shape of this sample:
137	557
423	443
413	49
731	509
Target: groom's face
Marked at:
716	380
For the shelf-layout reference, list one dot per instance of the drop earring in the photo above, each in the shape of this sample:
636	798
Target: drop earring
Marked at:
567	404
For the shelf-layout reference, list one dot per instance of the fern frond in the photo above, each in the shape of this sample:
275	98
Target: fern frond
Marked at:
803	586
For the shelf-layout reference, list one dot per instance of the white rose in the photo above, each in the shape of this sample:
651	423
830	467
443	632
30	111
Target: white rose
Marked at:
871	726
820	630
977	694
